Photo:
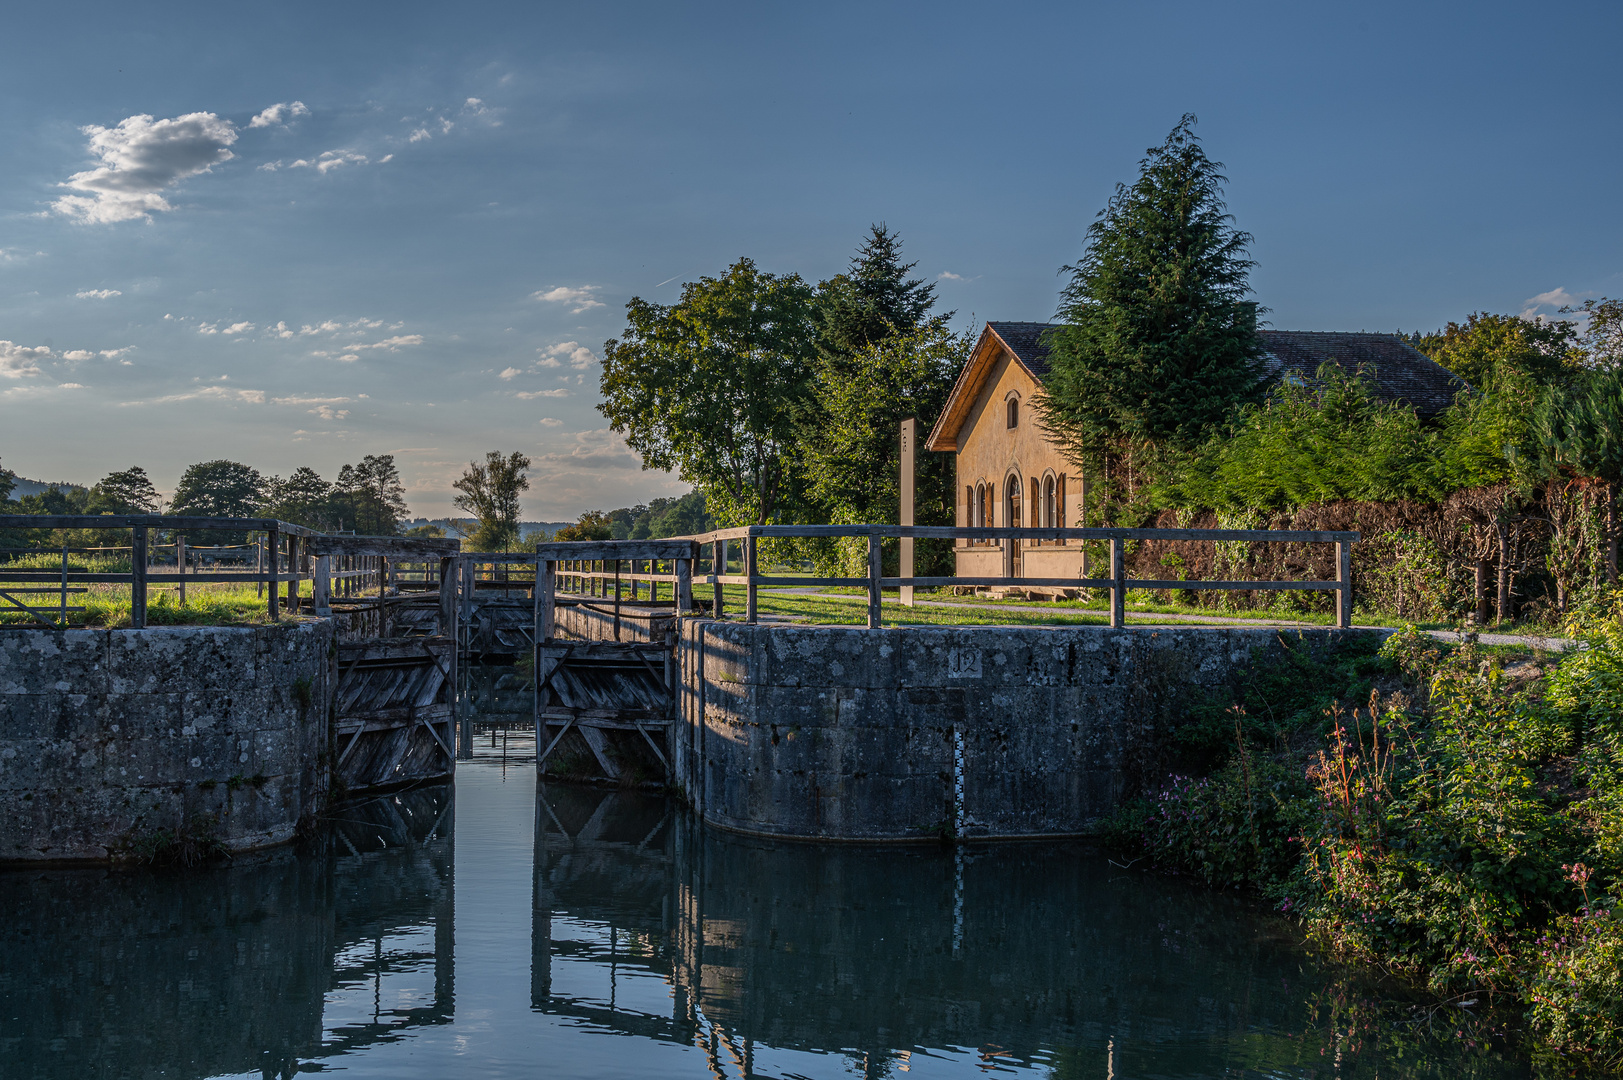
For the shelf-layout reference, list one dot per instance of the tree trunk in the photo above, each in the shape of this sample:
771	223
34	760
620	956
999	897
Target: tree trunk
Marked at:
1481	592
1611	533
1503	605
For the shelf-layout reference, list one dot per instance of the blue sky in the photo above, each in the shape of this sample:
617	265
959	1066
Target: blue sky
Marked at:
296	234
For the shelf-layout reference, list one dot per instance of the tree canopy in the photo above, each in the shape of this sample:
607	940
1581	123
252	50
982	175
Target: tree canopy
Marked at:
711	387
1158	340
490	492
1483	344
127	492
873	299
218	489
371	497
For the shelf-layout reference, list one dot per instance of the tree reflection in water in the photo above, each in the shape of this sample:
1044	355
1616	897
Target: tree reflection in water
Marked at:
659	948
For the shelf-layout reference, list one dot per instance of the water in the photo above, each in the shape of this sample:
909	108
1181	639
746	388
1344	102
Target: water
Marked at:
421	937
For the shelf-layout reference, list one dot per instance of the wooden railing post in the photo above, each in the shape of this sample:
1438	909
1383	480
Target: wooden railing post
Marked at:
273	541
138	578
684	586
1344	596
749	571
545	591
718	567
874	594
1118	583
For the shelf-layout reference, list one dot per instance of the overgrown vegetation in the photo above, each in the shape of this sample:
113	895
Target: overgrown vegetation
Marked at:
1429	810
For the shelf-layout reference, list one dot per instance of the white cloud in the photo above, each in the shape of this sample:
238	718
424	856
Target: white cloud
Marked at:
207	328
948	275
118	354
139	159
238	328
393	343
328	327
282	113
9	255
70	386
385	159
549	421
526	395
420	135
1557	298
78	354
281	330
581	297
21	361
327	412
508	373
347	358
574	353
208	393
329	160
296	400
97	294
597	449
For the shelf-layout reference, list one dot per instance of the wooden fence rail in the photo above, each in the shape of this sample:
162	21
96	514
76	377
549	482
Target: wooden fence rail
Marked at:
1117	582
287	556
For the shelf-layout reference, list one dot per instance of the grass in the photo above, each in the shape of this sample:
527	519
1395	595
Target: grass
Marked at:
109	606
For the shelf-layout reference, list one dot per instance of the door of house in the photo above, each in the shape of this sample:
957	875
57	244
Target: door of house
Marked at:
1012	518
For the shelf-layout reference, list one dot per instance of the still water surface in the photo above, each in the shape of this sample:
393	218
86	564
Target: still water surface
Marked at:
511	931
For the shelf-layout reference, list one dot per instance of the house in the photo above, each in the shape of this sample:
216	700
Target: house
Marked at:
1010	473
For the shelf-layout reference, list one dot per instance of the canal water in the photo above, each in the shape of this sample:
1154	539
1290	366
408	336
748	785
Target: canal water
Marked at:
505	930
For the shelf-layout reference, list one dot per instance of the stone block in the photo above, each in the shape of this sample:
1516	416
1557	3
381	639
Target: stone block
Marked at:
179	659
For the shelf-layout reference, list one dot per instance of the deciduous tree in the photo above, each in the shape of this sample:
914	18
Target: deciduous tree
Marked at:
1483	344
126	492
490	492
218	489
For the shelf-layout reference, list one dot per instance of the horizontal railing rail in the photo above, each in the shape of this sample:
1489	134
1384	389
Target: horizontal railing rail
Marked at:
1116	582
589	565
356	569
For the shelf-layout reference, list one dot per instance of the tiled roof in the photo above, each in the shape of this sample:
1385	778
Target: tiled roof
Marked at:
1025	338
1399	371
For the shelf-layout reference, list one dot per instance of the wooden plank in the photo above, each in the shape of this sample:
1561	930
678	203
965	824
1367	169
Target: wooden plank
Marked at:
599	747
684	586
1344	596
874	569
402	547
138	578
273	560
156	521
84	578
1118	585
750	579
949	532
610	550
718	571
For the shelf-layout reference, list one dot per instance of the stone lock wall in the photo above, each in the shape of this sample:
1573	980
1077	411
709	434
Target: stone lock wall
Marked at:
108	737
921	732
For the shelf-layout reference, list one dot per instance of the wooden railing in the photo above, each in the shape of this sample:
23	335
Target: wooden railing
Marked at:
285	557
1117	582
577	564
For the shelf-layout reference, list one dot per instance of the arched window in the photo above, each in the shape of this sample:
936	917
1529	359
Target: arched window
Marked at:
1049	507
1011	502
1012	407
977	517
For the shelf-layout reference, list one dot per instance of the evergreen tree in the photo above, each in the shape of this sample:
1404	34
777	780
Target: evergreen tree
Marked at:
873	299
1158	341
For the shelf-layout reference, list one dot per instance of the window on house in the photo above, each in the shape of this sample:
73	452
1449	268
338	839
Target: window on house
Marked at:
1013	408
1048	502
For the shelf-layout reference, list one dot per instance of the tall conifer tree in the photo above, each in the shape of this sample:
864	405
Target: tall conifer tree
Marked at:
1158	340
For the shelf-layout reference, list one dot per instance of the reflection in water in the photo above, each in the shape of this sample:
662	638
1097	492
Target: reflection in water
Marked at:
908	959
656	948
238	968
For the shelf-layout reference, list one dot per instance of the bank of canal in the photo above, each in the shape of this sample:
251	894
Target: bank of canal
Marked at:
421	935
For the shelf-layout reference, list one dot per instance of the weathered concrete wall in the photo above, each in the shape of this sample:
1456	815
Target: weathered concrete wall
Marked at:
920	732
109	736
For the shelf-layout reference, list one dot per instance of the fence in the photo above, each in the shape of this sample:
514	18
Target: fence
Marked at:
284	558
598	568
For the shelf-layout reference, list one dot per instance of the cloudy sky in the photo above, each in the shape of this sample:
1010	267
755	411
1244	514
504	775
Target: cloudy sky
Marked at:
294	234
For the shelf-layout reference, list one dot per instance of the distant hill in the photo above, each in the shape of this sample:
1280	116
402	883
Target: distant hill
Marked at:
34	487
